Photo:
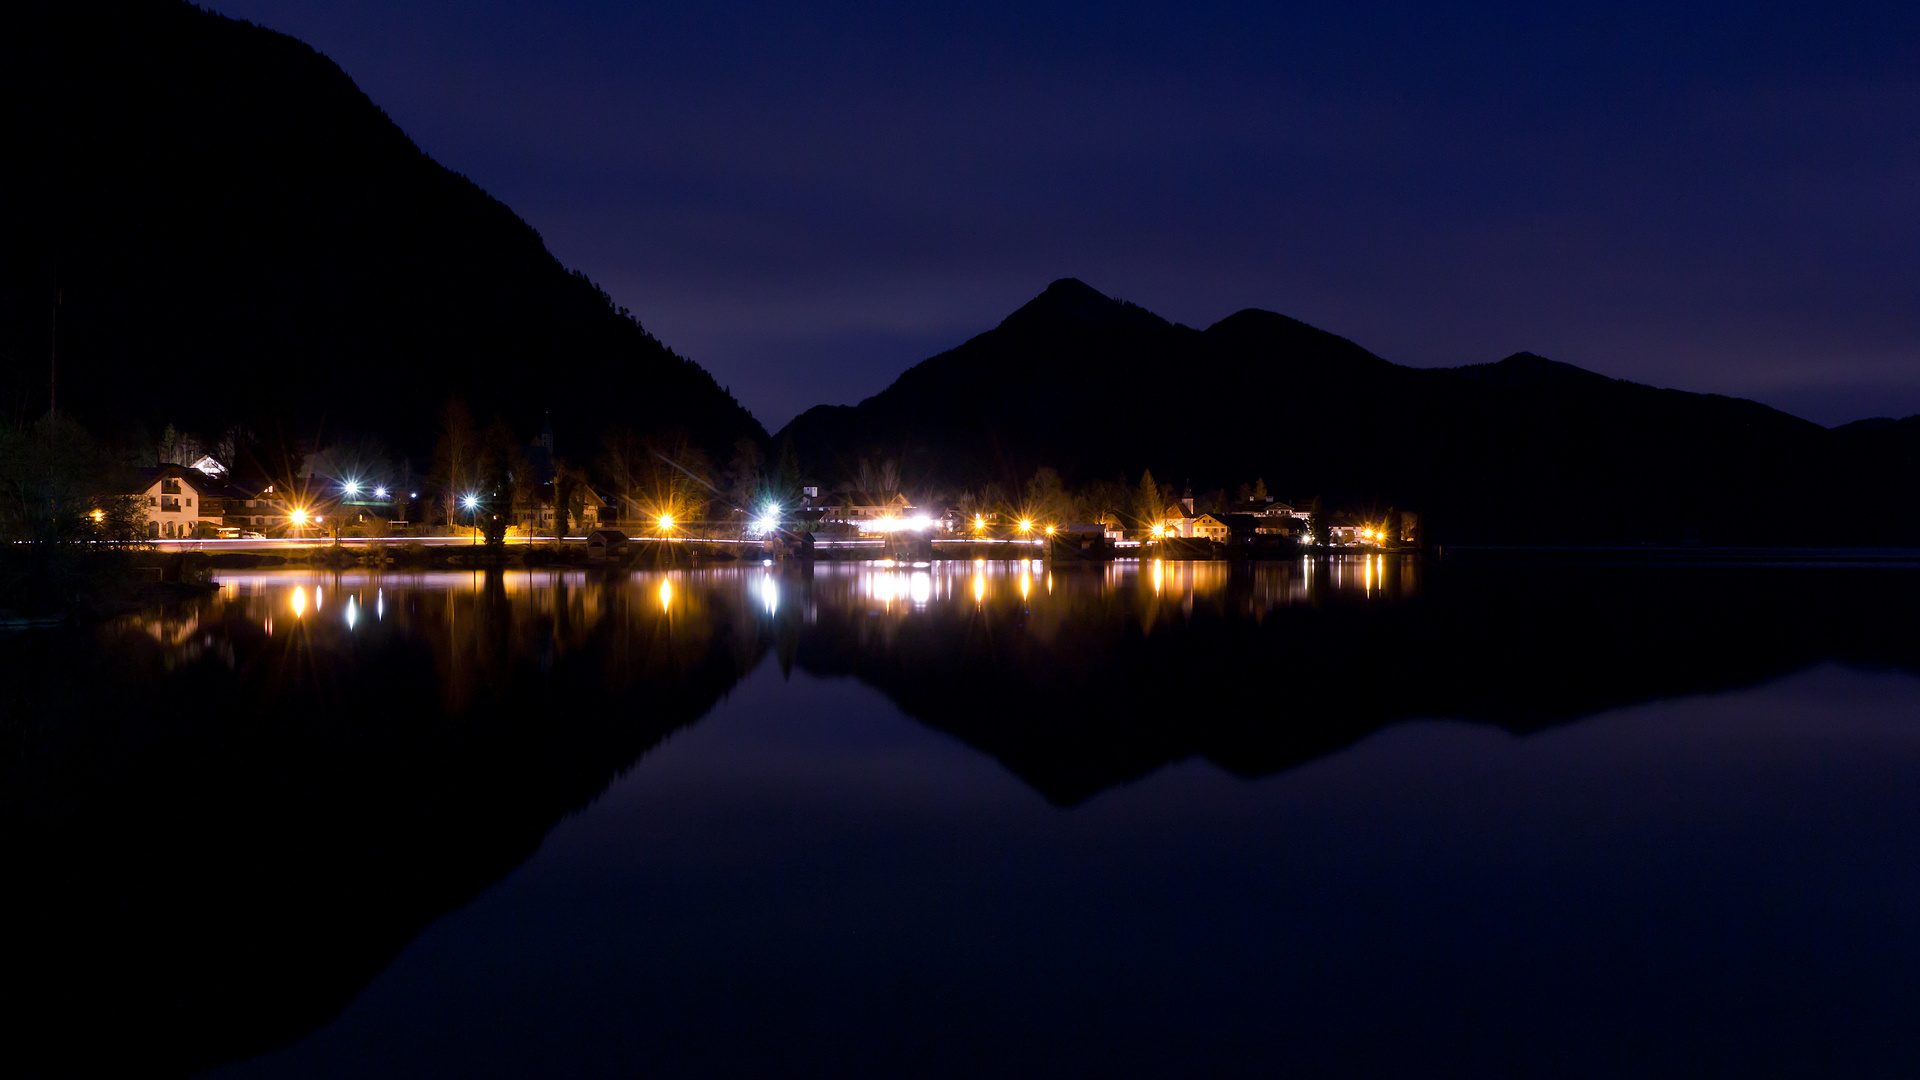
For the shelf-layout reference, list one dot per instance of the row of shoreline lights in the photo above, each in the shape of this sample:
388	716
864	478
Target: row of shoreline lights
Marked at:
769	519
300	516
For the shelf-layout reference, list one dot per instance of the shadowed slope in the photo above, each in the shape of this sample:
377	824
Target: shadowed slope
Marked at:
239	236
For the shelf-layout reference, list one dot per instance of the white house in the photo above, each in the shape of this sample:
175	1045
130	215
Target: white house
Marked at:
178	500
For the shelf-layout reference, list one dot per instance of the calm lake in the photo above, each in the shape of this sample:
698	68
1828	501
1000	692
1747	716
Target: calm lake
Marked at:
1505	816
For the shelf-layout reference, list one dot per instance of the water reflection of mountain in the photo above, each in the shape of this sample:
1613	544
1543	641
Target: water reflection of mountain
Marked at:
223	819
1114	673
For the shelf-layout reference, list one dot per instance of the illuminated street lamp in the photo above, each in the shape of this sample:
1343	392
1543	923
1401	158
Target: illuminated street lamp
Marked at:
352	487
1049	530
1026	525
665	523
471	503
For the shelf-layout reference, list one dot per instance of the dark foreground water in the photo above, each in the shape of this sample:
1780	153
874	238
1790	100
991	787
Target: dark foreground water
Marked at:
1368	818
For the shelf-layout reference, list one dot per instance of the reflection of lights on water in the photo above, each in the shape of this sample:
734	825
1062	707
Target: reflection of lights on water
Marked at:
666	595
1049	584
921	588
319	599
979	587
1026	586
353	613
299	601
379	604
1159	577
769	593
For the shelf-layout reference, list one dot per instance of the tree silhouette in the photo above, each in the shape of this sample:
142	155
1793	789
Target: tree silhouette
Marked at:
1148	502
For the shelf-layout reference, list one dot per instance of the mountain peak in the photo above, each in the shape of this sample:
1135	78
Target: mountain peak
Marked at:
1531	369
1069	298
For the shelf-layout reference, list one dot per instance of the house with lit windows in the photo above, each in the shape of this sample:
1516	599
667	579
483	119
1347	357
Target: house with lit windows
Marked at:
178	502
1209	527
252	509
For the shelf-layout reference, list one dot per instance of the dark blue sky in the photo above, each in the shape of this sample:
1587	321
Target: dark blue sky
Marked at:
809	200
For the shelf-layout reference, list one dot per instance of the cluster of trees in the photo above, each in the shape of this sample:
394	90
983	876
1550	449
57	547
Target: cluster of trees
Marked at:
1128	505
669	473
59	485
478	476
65	511
1046	499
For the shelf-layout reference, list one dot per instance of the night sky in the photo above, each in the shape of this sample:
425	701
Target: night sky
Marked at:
808	201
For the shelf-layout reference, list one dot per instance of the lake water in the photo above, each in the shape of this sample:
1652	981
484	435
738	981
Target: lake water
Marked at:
1373	817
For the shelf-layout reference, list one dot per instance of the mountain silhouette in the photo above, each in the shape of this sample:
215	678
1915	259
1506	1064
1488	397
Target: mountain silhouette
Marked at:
1526	450
236	234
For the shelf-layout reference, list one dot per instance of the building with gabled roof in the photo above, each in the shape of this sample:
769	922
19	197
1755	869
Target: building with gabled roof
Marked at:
178	502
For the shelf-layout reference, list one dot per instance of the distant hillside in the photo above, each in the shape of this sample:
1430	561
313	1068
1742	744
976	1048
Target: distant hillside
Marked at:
240	235
1523	451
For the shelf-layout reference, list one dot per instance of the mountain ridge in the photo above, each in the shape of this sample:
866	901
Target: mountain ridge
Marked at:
1521	450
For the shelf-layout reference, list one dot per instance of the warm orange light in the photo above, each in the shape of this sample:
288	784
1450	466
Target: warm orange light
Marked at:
298	517
1026	524
299	601
99	516
666	595
666	525
1159	531
979	523
1049	530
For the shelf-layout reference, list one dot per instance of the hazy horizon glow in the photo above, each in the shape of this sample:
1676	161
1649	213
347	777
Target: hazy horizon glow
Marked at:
807	201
